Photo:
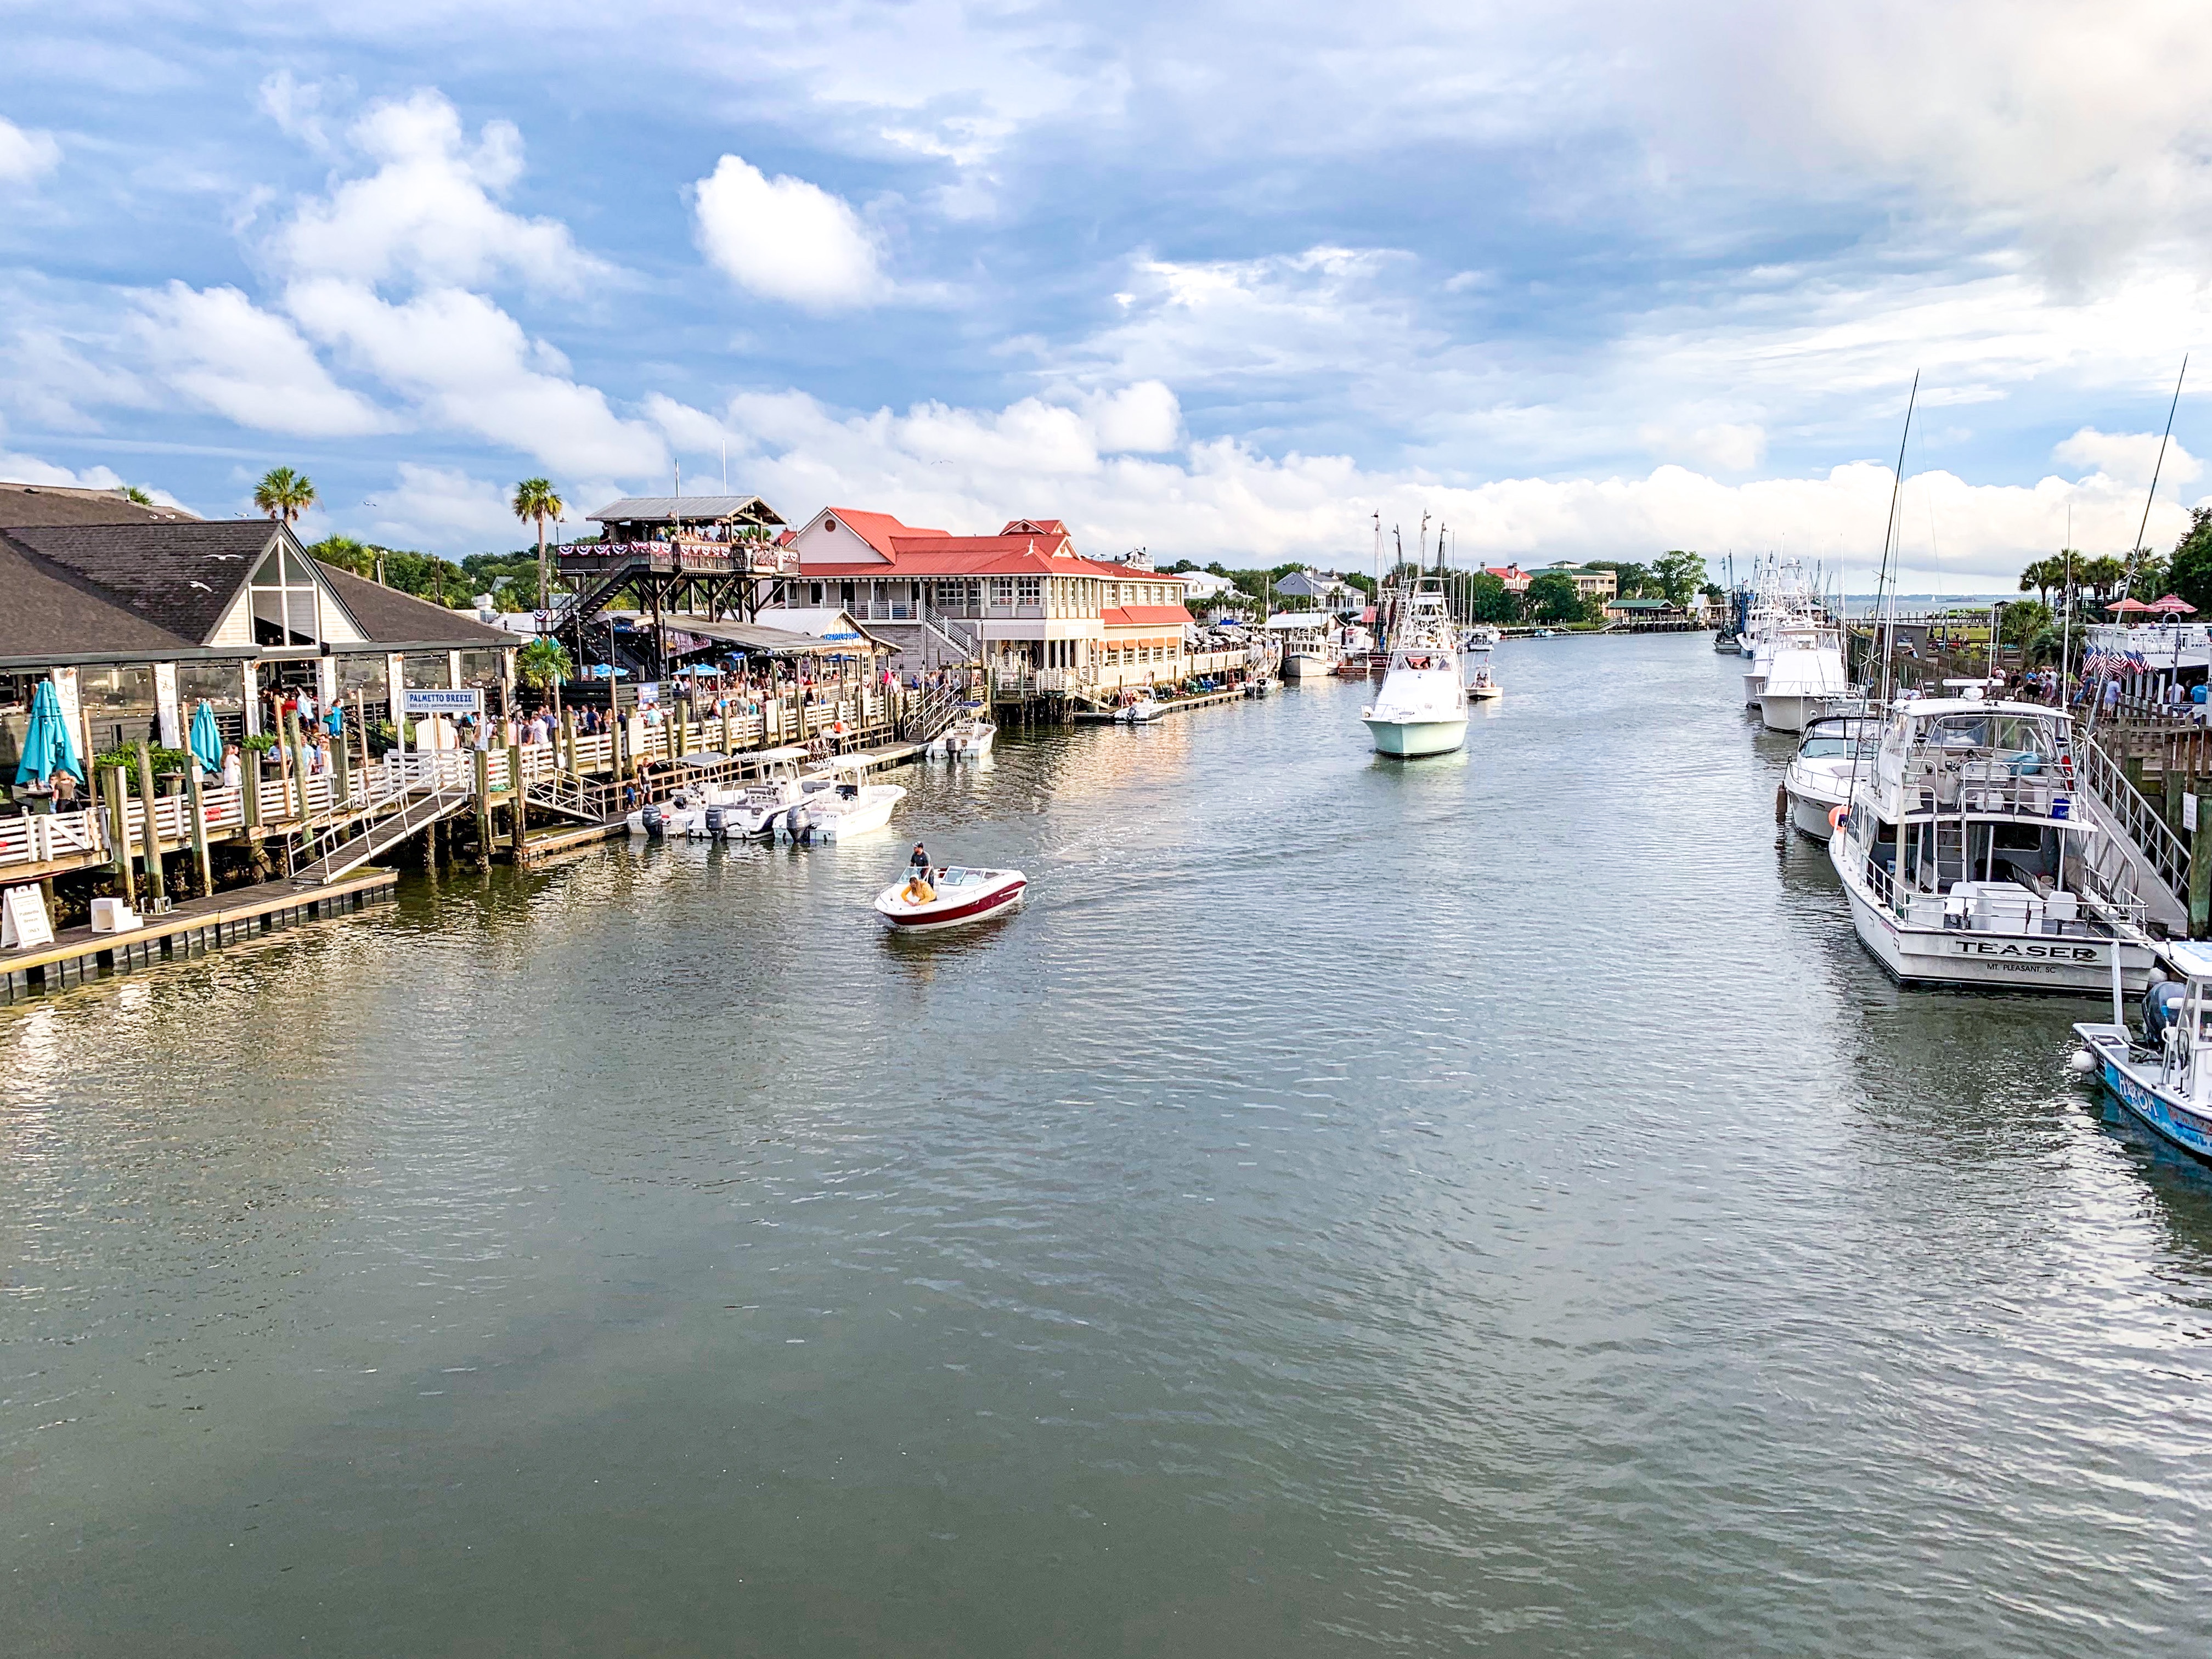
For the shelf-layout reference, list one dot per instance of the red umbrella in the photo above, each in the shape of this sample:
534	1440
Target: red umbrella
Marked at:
2174	604
2133	605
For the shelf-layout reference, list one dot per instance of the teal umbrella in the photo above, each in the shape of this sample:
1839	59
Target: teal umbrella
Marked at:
47	746
206	740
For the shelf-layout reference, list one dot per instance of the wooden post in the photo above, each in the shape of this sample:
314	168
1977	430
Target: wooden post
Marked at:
119	822
483	809
154	884
197	805
516	815
569	741
2175	781
2131	768
299	760
341	784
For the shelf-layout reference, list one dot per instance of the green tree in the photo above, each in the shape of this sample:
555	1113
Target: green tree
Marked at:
536	500
2042	576
2190	568
2102	576
1552	597
132	493
542	664
283	494
1489	600
2023	622
1679	576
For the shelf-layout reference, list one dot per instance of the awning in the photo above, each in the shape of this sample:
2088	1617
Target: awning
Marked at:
755	641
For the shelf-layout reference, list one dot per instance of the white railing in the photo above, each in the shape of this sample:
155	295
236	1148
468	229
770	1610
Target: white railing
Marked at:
2165	852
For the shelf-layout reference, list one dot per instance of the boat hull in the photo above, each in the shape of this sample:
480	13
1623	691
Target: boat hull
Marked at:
1306	666
1809	814
1754	685
2137	1090
1782	712
996	901
1992	960
1409	740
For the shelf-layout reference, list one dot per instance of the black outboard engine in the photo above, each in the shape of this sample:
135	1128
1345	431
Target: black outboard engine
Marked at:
799	824
715	820
656	826
2162	1006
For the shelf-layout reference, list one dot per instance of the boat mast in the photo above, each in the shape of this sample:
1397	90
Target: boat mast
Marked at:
2135	554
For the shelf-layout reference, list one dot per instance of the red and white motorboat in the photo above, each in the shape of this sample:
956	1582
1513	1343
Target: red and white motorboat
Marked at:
949	898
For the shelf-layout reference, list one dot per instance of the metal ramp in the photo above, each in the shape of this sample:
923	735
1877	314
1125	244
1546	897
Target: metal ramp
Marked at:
2137	851
571	796
340	857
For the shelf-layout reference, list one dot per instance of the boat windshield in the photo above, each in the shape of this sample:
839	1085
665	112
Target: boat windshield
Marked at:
1832	747
2020	737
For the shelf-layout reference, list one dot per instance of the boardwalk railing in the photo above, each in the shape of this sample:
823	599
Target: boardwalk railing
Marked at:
2165	852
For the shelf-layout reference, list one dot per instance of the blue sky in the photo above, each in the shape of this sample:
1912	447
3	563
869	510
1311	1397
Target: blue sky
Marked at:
1226	281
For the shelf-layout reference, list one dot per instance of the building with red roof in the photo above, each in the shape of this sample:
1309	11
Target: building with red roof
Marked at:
1021	600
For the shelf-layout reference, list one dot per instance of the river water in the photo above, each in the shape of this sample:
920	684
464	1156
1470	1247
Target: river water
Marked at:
1488	1205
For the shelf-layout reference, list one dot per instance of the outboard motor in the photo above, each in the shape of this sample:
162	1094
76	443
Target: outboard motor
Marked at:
716	818
2162	1006
656	826
798	825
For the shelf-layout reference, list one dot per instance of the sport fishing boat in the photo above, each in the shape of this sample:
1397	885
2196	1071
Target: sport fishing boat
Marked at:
1969	860
949	898
1819	780
966	738
1481	684
1421	708
1804	678
2166	1080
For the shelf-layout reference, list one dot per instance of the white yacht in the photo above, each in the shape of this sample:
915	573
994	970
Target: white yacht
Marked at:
1970	858
1422	707
1804	674
1819	780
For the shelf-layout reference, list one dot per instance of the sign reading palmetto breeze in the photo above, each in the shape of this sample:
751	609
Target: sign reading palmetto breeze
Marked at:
423	700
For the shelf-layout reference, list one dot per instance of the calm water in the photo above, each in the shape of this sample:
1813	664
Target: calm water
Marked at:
1482	1205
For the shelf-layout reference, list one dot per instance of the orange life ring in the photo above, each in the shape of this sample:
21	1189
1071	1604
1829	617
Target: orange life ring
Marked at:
1836	816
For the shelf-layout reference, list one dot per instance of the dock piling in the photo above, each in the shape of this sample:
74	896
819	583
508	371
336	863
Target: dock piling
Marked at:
483	809
150	826
118	823
195	805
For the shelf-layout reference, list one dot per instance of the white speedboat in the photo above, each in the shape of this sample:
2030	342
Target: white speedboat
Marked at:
1819	780
950	897
836	804
1804	678
1138	709
1479	637
1968	856
1422	707
966	738
2167	1079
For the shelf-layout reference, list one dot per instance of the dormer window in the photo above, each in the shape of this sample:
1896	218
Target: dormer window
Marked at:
284	594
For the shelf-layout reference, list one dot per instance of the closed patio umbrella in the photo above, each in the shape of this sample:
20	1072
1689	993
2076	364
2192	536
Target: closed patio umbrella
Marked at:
48	748
206	740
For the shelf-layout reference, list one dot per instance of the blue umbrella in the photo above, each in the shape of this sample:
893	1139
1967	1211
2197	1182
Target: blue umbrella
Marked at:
206	739
47	746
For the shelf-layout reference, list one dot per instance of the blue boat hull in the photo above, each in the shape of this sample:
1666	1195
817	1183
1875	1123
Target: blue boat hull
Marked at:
2172	1122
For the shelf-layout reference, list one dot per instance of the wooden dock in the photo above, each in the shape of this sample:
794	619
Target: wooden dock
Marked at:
1167	705
194	928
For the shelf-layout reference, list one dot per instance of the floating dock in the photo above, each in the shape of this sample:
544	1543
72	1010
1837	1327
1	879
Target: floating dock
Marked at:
194	928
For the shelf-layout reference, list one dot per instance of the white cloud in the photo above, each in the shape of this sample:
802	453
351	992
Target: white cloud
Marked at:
1144	418
468	366
25	156
785	239
219	349
2129	458
427	213
298	108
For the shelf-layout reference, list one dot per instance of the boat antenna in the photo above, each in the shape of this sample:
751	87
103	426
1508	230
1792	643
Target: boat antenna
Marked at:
2136	553
2066	597
1885	581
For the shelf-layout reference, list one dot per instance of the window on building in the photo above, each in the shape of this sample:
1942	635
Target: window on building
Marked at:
282	595
427	671
1032	590
1002	590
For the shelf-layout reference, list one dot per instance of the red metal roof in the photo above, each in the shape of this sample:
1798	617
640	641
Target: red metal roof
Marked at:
876	529
1143	616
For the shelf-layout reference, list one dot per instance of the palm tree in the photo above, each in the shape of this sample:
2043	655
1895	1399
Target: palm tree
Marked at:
535	498
284	494
2044	575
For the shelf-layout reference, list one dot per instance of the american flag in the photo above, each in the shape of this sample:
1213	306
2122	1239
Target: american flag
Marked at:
2099	664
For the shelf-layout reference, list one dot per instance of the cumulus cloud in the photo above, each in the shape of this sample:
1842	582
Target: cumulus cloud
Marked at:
2129	458
785	239
219	349
429	212
468	366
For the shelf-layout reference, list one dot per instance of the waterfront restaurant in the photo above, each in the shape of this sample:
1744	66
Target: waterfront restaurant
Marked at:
1023	601
139	615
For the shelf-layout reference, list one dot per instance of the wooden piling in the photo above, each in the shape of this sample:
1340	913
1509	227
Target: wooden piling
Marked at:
569	741
515	814
483	809
118	823
2200	873
195	805
151	831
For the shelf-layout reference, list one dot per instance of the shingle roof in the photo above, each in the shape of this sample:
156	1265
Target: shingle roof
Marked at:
52	614
180	575
391	618
50	504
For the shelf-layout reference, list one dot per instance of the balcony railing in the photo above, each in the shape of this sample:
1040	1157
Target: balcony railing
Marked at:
682	557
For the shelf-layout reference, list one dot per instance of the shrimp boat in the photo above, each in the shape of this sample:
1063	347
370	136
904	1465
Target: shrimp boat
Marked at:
949	898
2166	1080
1968	862
1421	708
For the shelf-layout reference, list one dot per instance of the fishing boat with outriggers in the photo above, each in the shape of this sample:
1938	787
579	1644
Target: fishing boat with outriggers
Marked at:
2166	1080
1970	861
949	898
1421	708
